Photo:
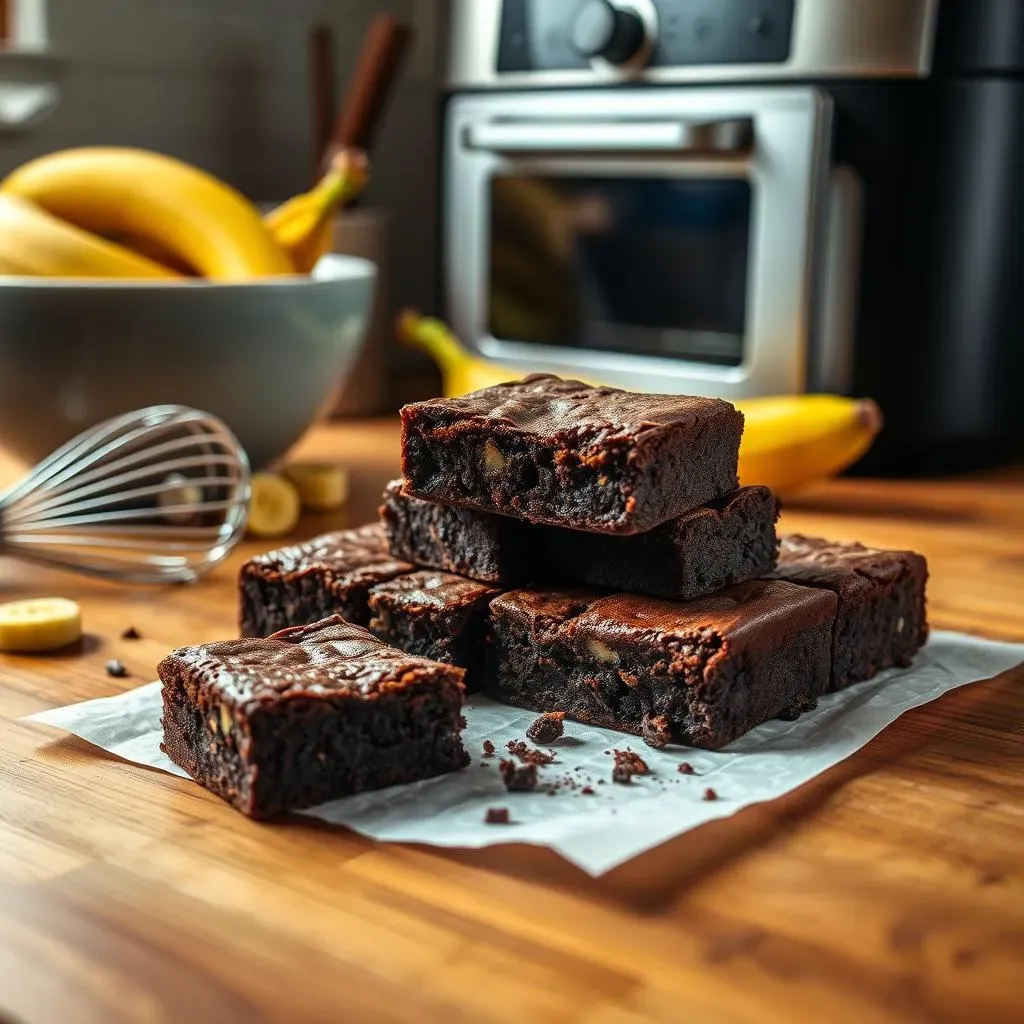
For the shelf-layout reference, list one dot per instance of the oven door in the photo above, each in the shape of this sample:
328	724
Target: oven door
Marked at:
655	239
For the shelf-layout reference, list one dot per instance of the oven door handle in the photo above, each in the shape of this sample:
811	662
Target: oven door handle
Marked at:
733	135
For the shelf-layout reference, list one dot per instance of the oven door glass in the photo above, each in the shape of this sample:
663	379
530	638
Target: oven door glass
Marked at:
642	265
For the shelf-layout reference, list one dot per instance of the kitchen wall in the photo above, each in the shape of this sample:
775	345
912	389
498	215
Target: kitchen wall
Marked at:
223	84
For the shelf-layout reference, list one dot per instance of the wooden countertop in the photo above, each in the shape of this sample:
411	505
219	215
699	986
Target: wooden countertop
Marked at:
891	888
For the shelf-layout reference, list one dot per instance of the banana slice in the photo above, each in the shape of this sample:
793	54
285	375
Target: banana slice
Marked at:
321	486
274	506
42	624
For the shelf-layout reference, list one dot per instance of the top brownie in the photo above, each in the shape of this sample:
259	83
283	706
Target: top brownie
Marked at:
560	452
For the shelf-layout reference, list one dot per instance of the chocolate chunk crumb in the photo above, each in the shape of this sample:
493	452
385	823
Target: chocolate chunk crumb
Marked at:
656	732
587	790
131	633
528	755
622	775
633	763
546	727
496	816
710	794
116	669
685	768
518	778
488	748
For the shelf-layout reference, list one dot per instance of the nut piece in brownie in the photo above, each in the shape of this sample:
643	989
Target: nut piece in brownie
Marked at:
724	542
436	615
309	714
486	547
707	670
881	619
559	452
329	575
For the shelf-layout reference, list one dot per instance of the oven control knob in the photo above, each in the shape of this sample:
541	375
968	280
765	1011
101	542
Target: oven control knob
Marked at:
601	30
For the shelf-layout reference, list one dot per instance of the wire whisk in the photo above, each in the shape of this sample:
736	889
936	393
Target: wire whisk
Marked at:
155	496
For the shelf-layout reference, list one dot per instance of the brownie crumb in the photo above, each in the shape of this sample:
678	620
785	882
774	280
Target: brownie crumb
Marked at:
633	763
685	768
656	732
527	754
131	633
587	790
547	727
496	816
518	778
622	775
488	748
710	794
116	669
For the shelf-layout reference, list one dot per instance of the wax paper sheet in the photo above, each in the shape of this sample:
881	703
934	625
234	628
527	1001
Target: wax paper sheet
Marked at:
591	821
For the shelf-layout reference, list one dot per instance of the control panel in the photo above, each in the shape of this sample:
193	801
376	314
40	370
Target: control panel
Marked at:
563	35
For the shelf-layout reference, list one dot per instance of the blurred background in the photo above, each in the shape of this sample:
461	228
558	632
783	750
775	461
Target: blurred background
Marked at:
730	197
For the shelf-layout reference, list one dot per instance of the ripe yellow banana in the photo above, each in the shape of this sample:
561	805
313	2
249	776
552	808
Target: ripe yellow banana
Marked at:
788	441
302	226
133	193
34	243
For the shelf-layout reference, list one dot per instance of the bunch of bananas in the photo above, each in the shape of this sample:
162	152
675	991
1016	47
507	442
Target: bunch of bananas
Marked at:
111	212
789	441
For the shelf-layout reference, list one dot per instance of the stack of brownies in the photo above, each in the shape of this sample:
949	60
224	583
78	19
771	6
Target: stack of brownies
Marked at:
578	550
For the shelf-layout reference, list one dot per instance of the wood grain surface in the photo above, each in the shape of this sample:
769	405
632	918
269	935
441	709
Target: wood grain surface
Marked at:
891	888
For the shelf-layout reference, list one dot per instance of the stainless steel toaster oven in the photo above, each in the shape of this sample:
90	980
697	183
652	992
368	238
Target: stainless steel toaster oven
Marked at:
743	197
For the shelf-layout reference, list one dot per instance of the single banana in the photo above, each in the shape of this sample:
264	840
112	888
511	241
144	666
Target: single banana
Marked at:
131	192
788	441
302	226
322	486
34	243
274	506
41	624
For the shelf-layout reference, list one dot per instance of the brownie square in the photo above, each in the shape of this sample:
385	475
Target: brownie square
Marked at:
881	619
700	672
490	548
436	615
708	548
727	541
307	582
309	714
559	452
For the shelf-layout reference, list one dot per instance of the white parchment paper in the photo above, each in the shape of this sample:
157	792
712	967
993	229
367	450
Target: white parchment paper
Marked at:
614	823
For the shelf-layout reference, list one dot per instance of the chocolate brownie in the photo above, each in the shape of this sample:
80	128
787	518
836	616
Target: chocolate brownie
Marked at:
727	541
303	583
436	615
881	619
559	452
708	670
309	714
710	547
490	548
